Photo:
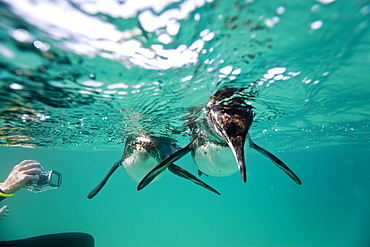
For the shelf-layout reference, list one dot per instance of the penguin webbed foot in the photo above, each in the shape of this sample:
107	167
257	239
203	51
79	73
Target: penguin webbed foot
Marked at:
200	173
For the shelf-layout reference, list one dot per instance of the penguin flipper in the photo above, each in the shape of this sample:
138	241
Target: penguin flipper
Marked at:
277	162
104	181
187	175
163	165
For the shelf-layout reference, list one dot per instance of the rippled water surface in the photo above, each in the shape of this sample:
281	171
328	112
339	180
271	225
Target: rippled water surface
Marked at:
77	78
84	75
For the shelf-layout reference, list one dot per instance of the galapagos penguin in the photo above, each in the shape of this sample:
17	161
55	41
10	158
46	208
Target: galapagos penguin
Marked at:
140	156
221	133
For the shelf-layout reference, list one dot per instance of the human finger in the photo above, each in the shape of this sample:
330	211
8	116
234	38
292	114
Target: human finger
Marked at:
4	214
21	166
32	171
4	210
31	178
25	162
29	165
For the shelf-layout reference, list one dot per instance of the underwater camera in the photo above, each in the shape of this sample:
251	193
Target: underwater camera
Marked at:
47	180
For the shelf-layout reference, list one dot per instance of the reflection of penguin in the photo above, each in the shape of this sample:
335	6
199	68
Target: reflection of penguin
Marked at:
223	131
141	154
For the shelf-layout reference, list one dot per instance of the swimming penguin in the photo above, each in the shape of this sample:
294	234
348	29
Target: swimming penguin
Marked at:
140	156
222	132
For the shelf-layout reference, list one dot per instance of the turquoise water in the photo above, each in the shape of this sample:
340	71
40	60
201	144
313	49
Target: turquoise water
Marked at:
73	89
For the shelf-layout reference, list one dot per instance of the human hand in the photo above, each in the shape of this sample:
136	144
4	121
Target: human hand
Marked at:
27	170
4	212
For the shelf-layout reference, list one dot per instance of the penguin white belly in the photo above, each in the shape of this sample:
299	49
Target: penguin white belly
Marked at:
139	164
215	160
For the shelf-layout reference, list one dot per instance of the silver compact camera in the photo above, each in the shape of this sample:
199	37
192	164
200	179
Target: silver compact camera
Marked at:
47	180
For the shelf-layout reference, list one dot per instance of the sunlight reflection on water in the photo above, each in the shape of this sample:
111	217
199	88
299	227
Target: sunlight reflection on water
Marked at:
143	67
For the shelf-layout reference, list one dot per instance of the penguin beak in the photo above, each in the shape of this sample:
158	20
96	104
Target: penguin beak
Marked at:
232	123
237	146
